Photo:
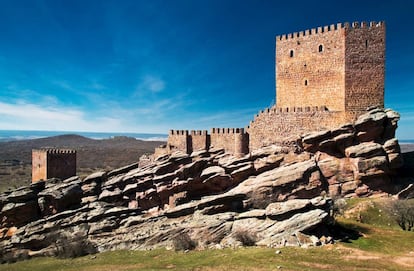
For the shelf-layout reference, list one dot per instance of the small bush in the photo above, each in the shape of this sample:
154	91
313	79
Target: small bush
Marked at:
403	213
184	242
245	237
73	246
339	206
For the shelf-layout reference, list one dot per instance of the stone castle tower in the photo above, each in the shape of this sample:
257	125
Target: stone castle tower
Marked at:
341	67
53	163
325	77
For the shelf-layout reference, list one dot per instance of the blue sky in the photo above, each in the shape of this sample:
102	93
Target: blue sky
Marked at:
151	66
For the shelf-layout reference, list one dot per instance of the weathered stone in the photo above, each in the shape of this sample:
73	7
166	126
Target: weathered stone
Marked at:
279	184
243	173
366	150
123	170
395	160
267	163
343	141
370	126
255	213
349	187
377	165
392	146
59	197
97	177
210	171
18	214
406	193
284	210
111	196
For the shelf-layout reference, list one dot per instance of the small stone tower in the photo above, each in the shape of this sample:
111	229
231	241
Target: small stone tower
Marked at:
53	163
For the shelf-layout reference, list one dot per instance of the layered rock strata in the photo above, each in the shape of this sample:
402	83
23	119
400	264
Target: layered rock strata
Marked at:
272	196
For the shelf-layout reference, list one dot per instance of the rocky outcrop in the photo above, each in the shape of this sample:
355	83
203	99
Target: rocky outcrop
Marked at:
270	197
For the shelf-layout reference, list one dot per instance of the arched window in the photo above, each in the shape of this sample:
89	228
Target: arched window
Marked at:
291	53
320	49
366	44
306	82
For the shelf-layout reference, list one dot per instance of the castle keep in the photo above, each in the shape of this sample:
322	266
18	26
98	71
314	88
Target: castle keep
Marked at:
325	77
53	163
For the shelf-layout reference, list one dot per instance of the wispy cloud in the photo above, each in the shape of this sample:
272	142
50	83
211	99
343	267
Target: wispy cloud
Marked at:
150	83
29	116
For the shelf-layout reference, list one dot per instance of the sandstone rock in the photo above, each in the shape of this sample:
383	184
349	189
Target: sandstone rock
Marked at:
283	210
97	177
391	124
311	142
370	126
267	163
122	170
199	154
255	213
406	193
210	171
343	141
22	194
193	169
279	184
366	150
111	196
329	166
56	198
392	146
243	173
18	214
267	151
371	167
217	183
395	160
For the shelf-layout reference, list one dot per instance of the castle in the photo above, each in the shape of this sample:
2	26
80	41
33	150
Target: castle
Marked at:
325	77
53	163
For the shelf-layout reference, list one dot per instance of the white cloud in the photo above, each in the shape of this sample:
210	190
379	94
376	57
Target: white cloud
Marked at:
27	116
151	83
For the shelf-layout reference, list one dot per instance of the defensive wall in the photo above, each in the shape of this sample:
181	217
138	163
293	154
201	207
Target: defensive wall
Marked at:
325	77
53	163
280	125
232	140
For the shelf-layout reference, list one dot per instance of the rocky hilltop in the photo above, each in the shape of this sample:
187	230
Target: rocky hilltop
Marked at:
275	196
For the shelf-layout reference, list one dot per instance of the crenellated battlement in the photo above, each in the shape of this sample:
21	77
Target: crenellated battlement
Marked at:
178	132
198	132
287	110
227	130
53	163
329	28
56	151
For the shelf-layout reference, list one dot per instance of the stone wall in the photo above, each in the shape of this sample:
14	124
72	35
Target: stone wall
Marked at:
364	66
53	163
310	68
39	171
277	125
179	140
200	140
232	140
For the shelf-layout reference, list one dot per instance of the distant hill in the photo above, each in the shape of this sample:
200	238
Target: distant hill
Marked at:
92	155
